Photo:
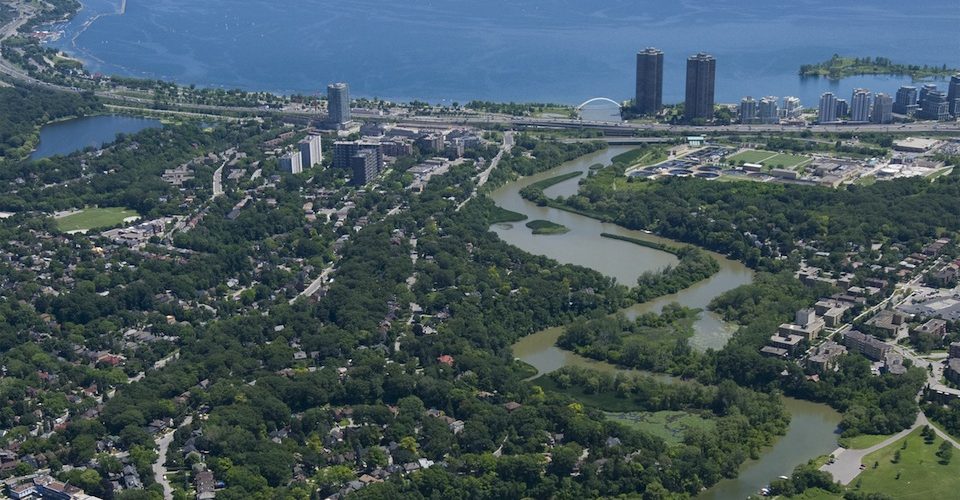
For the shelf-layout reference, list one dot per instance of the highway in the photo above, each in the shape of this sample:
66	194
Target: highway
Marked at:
463	119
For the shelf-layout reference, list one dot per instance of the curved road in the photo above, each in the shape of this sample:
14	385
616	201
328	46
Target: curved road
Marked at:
159	469
846	465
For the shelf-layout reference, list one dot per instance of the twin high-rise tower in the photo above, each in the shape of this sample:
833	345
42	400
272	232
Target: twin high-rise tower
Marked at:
649	97
701	80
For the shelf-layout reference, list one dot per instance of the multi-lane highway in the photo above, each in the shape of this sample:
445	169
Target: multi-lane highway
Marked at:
26	10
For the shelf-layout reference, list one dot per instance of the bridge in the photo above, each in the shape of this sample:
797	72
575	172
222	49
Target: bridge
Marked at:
599	99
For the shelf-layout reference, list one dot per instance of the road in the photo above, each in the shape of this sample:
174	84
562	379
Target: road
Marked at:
846	465
485	175
315	285
159	469
473	118
218	181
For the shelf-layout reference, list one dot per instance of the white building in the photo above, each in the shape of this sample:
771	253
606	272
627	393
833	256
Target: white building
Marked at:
311	152
828	108
860	106
292	162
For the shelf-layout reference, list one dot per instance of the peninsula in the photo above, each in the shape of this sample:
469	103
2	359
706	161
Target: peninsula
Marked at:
838	67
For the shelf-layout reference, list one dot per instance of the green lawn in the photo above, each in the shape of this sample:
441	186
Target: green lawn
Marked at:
787	161
546	227
499	215
920	473
94	218
862	441
669	425
771	159
752	156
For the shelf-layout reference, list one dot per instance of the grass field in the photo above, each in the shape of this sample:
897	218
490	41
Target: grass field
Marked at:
94	218
770	159
862	441
547	227
640	156
918	474
752	156
499	215
787	161
669	425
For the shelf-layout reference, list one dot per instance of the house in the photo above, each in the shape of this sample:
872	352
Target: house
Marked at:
512	406
445	359
205	485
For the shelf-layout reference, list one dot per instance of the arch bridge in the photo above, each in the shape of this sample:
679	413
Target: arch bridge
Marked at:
599	99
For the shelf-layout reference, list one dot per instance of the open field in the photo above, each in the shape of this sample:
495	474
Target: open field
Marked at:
771	159
501	215
918	473
94	218
752	156
863	441
669	425
787	161
546	227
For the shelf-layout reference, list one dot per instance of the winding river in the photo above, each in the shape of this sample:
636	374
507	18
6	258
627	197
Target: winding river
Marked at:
813	426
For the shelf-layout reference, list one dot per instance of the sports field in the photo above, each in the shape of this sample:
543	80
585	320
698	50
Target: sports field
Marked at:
771	159
94	218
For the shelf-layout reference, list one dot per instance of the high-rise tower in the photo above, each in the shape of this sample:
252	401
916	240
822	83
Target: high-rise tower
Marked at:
649	95
701	77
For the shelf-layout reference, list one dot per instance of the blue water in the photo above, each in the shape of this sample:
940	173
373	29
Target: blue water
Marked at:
65	137
533	50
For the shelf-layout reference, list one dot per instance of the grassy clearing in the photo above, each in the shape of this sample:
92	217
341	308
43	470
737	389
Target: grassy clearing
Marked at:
669	425
628	158
918	473
786	161
639	157
752	156
547	227
94	218
863	441
551	181
644	243
771	159
500	215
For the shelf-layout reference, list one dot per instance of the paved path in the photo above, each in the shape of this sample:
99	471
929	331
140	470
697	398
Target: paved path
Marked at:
846	465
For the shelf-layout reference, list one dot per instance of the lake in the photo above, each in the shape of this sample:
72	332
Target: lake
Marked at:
65	137
546	50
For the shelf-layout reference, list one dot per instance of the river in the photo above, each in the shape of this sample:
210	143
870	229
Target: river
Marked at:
812	427
65	137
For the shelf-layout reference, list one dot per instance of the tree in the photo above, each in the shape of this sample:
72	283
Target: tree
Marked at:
945	452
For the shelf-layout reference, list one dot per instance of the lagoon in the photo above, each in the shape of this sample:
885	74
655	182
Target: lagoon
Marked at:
68	136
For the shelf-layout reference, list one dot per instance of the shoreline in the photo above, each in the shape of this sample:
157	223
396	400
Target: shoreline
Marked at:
89	60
